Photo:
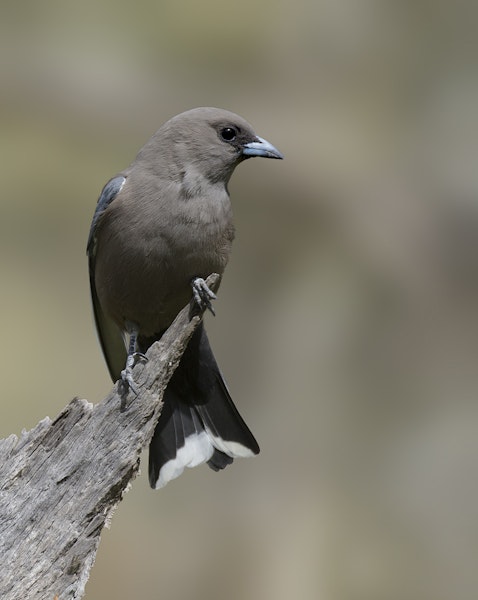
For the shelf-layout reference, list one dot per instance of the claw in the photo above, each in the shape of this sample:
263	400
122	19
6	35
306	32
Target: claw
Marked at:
202	294
127	375
127	372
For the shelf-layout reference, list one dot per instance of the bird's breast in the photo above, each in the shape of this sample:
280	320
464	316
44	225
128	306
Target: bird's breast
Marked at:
146	261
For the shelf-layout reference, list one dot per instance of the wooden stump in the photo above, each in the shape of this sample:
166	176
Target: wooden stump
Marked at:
60	482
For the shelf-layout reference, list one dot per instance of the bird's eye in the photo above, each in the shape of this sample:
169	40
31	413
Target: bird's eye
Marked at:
228	134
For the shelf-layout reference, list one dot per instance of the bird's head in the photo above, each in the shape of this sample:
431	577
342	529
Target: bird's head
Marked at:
210	141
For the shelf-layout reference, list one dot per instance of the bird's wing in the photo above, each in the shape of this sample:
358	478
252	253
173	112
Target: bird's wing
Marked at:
109	334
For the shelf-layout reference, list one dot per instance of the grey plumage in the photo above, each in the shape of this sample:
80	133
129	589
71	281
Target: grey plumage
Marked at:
160	224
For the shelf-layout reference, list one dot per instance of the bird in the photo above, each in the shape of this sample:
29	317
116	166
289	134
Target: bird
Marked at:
160	227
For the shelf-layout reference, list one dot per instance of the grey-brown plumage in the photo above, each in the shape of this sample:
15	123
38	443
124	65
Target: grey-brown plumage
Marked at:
161	227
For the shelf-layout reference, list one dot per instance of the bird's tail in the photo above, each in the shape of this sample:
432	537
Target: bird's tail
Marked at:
199	422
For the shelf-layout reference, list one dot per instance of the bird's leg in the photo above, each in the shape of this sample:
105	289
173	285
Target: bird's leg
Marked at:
127	372
202	294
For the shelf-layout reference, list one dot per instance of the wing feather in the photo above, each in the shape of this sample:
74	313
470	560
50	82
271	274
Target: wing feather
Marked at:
110	336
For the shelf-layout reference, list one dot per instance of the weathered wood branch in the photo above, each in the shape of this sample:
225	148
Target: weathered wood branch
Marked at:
60	482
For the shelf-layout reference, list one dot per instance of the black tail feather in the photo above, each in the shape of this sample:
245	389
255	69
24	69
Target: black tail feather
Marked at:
199	422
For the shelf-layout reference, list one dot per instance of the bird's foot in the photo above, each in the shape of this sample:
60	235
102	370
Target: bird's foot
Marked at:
202	294
127	373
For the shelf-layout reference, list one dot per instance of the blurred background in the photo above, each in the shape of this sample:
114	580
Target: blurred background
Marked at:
347	322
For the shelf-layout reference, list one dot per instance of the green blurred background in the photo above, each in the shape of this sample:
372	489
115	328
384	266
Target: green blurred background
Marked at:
347	323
